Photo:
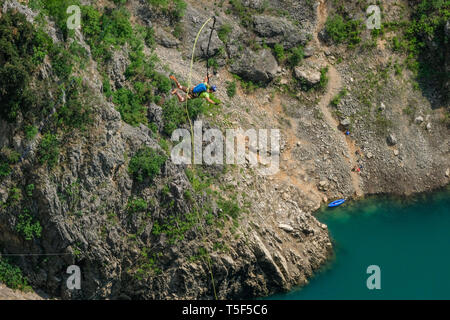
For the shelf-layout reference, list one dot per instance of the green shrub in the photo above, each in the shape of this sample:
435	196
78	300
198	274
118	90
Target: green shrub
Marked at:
20	54
342	30
242	12
212	63
5	169
337	99
279	52
30	189
12	276
130	107
146	163
174	9
57	10
62	62
30	132
229	208
75	113
295	56
14	195
224	32
101	31
137	205
27	227
174	113
323	77
48	150
231	88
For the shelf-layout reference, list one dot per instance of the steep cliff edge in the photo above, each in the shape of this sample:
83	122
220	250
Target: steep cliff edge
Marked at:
86	177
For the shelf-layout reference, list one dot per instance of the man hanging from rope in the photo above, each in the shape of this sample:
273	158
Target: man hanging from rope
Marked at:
202	90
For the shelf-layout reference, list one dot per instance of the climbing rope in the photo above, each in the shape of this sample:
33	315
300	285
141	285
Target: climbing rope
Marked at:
207	49
208	259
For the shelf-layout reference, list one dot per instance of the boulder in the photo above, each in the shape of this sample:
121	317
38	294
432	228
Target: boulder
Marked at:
307	74
258	67
309	51
254	4
117	67
166	39
286	227
214	46
277	30
323	185
418	120
391	140
155	115
346	122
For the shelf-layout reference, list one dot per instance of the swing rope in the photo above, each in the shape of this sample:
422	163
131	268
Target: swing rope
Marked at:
207	49
208	259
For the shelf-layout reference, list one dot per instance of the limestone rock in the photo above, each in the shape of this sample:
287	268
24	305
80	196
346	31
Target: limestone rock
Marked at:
391	140
309	75
259	67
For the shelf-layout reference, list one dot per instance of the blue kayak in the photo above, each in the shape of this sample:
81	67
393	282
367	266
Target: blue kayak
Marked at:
336	203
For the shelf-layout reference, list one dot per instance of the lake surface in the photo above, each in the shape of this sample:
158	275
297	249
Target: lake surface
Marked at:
408	239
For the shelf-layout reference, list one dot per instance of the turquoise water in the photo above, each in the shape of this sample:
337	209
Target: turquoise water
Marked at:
408	239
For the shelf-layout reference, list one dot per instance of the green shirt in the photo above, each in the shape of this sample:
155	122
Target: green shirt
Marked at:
204	95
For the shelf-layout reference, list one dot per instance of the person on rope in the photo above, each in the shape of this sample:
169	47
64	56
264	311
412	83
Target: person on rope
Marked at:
202	90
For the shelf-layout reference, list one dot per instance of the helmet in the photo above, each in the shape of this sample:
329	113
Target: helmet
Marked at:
214	88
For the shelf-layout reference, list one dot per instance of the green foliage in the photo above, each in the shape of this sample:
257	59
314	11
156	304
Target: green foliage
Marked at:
174	113
75	113
212	63
146	163
57	10
279	52
295	56
175	227
27	227
243	12
323	77
14	195
343	30
337	99
102	31
224	32
61	62
173	9
12	276
30	132
229	208
136	205
48	150
30	189
428	27
149	265
130	107
231	88
5	169
22	49
8	157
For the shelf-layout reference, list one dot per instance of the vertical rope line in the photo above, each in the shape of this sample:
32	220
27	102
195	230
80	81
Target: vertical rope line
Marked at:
207	49
208	259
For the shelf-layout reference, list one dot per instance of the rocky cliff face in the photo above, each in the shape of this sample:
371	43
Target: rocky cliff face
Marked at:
212	231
